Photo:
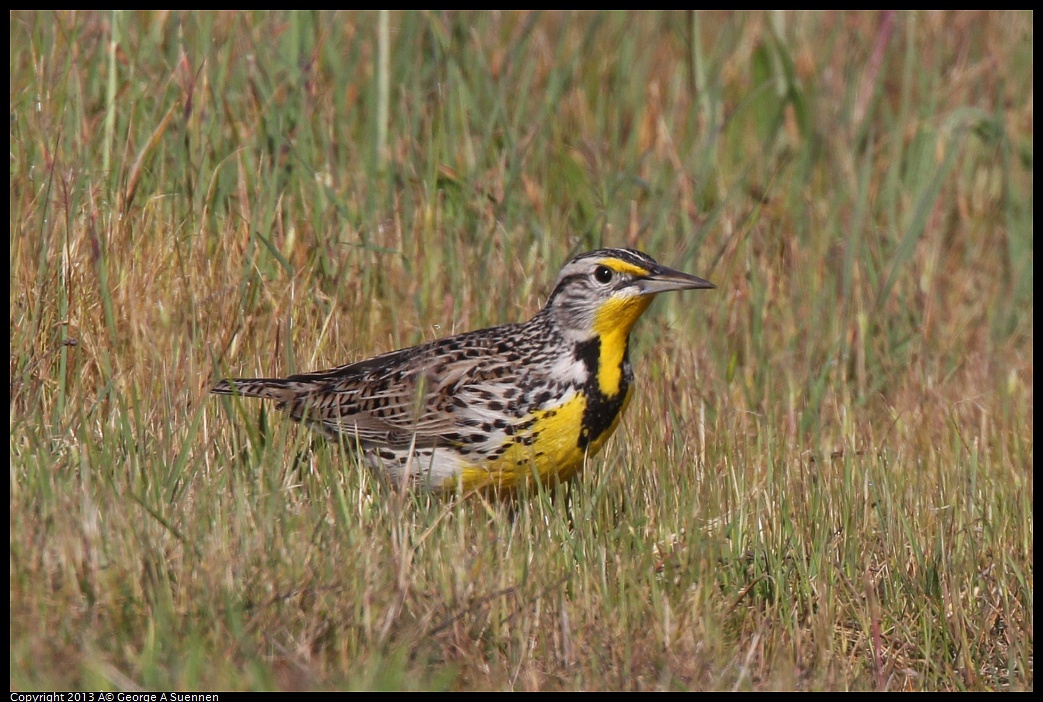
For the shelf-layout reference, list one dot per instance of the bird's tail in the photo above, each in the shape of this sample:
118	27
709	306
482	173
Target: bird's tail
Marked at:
276	389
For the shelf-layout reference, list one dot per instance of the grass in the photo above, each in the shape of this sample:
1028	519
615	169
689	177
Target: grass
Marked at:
824	481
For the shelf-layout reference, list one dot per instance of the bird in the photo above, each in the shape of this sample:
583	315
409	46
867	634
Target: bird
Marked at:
494	408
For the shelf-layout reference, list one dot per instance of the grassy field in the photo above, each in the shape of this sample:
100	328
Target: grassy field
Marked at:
824	480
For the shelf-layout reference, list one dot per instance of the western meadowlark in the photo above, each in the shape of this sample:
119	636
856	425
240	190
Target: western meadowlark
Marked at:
494	407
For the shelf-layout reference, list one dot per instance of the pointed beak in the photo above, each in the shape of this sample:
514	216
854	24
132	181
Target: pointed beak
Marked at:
663	279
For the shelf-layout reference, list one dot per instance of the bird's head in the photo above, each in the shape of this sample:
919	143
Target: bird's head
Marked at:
604	292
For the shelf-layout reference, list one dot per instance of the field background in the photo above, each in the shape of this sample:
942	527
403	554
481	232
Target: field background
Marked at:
824	480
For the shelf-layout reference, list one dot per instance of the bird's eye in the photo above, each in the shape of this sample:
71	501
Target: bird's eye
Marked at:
603	274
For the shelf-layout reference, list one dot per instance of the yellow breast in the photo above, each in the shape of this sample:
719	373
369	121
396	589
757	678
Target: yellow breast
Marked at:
553	449
553	454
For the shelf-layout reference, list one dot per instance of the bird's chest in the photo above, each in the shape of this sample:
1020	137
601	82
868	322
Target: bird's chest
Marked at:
606	389
570	417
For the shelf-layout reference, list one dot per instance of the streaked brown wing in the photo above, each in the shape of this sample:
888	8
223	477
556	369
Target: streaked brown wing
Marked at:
422	405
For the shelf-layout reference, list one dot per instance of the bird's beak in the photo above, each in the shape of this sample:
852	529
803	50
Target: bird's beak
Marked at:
663	279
